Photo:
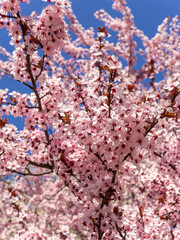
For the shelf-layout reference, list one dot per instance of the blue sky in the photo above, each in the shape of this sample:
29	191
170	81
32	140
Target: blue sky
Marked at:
148	14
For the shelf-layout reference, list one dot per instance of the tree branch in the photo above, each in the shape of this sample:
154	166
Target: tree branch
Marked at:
120	232
29	173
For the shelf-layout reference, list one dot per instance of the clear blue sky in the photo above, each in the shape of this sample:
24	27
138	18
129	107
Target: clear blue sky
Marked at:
148	14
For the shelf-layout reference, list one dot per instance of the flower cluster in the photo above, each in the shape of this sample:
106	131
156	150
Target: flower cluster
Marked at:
50	29
97	152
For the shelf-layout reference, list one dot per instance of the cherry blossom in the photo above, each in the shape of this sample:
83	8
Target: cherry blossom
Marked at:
97	156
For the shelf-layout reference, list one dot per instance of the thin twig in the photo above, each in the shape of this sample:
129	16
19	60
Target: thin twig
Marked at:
49	198
12	77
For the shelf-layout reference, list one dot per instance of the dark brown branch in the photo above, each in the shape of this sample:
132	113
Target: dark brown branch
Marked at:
49	198
127	155
46	95
107	197
33	81
175	95
29	173
157	154
173	166
120	232
100	232
31	107
7	16
103	163
42	67
97	155
70	171
2	152
42	165
109	99
155	121
10	75
114	177
28	61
